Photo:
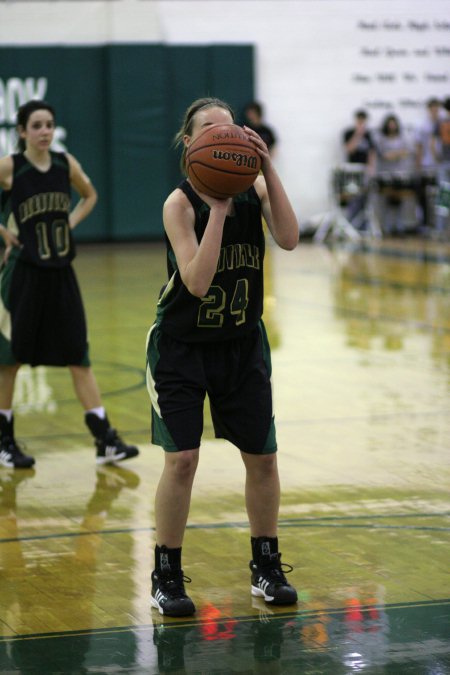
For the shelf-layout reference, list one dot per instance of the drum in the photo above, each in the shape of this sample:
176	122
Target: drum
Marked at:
428	178
349	181
398	181
402	180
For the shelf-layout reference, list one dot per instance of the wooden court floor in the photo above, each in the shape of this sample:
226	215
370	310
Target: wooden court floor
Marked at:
361	369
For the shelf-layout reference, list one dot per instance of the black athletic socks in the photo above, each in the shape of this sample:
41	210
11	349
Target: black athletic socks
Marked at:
267	579
168	595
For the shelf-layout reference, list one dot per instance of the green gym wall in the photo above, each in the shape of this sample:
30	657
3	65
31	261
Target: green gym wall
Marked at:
118	107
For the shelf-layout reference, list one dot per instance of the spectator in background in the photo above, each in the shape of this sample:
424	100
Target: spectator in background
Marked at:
441	143
358	143
441	152
394	153
426	131
352	182
394	171
425	161
253	113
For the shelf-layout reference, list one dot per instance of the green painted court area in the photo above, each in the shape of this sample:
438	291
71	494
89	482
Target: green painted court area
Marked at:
396	639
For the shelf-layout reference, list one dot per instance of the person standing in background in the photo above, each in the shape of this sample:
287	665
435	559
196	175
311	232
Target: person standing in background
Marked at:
441	152
441	143
359	151
358	143
42	319
425	160
254	114
395	177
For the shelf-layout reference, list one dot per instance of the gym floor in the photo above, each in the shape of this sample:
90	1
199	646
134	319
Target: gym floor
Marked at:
360	339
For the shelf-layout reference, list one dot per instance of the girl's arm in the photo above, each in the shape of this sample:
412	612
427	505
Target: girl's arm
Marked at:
6	172
82	184
197	262
276	207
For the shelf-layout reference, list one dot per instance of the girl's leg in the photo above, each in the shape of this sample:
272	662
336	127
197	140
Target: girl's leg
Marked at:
110	447
7	381
262	493
173	498
86	387
10	453
262	496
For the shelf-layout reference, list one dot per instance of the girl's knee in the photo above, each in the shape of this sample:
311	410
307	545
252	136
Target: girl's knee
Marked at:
183	464
261	465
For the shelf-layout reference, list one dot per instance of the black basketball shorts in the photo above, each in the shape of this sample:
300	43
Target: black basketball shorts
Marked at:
236	376
42	319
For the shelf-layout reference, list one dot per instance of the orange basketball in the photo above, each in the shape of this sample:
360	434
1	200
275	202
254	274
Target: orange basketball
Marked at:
222	161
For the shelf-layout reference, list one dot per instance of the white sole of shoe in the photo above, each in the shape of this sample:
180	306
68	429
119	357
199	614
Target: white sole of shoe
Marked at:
154	603
259	593
4	462
110	460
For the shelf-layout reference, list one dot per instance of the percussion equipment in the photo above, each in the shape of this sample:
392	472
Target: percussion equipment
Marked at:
428	178
349	181
397	181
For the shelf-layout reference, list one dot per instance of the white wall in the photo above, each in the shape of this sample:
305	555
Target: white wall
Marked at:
317	60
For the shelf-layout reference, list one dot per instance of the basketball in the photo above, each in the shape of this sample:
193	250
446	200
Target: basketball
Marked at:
222	161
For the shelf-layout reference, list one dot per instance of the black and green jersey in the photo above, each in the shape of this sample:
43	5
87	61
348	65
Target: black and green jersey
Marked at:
233	304
36	210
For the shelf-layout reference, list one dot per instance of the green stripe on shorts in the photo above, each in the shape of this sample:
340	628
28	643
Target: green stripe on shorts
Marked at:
160	433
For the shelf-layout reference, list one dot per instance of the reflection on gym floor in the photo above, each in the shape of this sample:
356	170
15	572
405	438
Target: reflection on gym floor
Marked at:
361	364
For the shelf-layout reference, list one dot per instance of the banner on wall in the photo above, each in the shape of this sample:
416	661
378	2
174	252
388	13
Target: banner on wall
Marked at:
14	92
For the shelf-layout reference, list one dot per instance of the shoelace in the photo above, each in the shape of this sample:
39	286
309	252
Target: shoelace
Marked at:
277	569
174	585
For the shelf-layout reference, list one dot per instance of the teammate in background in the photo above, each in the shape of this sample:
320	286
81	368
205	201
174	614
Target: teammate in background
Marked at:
254	113
42	320
208	338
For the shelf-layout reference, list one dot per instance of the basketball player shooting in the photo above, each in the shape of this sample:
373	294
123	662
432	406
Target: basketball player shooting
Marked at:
209	338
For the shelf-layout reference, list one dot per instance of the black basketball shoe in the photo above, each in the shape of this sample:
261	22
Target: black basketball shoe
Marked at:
110	447
12	456
168	595
269	582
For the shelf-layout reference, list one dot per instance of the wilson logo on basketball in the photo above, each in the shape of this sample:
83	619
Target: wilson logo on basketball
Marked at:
238	158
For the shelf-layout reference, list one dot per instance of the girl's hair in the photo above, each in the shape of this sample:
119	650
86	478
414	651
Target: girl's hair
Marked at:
386	123
188	121
23	115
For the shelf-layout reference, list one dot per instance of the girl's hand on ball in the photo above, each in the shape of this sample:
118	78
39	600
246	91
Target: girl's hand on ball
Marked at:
261	147
219	204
